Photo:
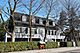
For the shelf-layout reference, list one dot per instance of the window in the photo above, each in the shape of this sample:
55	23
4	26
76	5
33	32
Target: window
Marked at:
55	32
50	23
27	19
44	21
21	30
37	20
49	32
17	29
34	31
52	32
26	30
17	17
24	18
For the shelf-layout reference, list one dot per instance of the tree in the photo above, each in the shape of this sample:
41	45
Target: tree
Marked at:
33	7
49	10
12	5
71	8
62	19
2	32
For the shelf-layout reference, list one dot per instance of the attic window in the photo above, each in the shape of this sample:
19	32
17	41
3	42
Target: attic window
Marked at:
23	18
37	21
27	19
50	23
44	21
17	17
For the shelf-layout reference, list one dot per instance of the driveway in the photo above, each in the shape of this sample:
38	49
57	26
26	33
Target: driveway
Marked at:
55	50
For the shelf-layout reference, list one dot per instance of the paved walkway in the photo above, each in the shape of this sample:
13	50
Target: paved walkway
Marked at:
55	50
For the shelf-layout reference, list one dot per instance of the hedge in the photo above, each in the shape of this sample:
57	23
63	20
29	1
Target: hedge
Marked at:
78	43
21	46
51	45
69	44
17	46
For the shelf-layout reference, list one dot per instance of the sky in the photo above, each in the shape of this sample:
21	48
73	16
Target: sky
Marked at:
41	13
3	3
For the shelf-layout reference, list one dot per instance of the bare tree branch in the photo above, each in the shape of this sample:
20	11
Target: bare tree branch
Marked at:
38	8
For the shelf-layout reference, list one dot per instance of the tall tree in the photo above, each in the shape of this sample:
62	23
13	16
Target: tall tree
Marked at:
2	32
11	7
62	19
71	8
33	7
49	10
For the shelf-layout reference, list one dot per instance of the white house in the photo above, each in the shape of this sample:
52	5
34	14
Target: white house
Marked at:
38	31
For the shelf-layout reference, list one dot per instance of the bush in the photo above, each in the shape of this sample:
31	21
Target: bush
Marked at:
51	45
78	43
20	46
1	47
69	44
17	46
32	45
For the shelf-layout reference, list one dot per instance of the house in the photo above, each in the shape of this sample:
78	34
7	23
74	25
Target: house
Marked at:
38	31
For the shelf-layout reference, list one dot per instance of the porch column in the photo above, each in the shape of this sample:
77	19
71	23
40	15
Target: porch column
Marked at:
55	38
6	37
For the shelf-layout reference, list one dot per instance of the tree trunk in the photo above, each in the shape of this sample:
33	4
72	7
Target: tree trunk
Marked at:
30	27
30	20
13	37
45	33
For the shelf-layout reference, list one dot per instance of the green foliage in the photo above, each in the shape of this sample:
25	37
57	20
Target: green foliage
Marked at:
69	44
21	46
31	45
1	47
51	45
2	32
78	42
17	46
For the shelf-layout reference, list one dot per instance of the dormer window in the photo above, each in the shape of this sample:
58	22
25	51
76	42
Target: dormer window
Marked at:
44	21
27	19
50	23
24	18
37	20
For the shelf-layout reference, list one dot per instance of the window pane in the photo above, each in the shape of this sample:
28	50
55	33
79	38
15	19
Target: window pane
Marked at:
49	32
52	32
44	21
23	18
17	29
50	23
26	30
35	31
37	20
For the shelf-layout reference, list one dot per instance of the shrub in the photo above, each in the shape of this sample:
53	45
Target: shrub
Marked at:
1	47
69	44
32	45
17	46
20	46
78	43
51	45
